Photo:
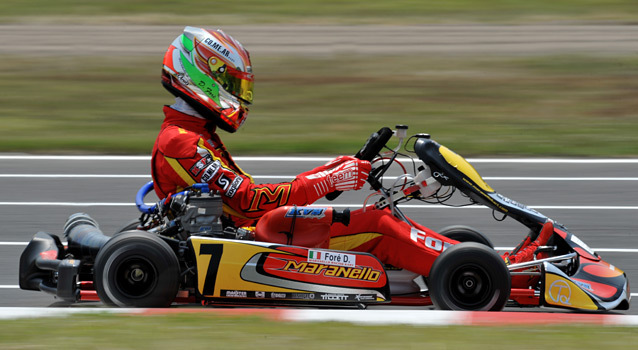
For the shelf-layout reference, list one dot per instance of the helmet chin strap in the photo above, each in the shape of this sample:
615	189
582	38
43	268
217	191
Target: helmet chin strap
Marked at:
181	106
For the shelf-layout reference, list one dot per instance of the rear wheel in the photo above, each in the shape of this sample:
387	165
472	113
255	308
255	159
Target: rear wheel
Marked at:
136	269
465	234
132	225
469	276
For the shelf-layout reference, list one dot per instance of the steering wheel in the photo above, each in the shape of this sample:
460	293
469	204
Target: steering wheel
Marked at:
370	149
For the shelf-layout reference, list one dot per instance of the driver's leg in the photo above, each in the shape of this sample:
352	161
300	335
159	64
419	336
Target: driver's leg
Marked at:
528	250
390	239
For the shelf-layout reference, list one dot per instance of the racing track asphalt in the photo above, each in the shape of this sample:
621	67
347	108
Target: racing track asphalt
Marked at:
594	199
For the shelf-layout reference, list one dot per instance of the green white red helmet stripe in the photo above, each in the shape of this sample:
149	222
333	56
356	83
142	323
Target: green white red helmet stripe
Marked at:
207	85
213	71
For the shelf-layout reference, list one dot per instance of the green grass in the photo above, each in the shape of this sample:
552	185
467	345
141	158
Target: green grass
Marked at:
320	11
196	331
539	106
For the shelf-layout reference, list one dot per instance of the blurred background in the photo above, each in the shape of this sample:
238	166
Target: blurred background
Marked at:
491	78
484	77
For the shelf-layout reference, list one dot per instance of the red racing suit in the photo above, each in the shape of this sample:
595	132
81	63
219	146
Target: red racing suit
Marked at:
188	151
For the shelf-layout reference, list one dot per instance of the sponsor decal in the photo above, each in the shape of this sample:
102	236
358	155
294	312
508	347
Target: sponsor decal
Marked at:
200	165
266	195
306	213
439	175
236	294
363	273
211	171
234	186
568	293
584	285
260	295
332	258
223	182
334	297
365	297
218	47
421	237
560	292
517	204
182	78
278	295
303	296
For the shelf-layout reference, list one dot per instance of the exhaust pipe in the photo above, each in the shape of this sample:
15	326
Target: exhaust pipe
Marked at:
83	235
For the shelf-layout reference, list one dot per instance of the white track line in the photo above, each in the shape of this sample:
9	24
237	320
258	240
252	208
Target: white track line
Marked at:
290	177
527	178
52	157
325	159
405	206
68	204
73	176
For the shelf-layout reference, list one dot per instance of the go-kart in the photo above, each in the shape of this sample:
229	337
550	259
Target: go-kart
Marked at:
179	251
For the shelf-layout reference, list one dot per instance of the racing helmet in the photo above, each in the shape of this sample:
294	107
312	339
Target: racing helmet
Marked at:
211	71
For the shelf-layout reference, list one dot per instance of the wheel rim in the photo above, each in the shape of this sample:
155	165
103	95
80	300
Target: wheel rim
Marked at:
471	287
135	277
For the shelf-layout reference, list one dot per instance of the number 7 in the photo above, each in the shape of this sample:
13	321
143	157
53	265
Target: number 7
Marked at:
215	250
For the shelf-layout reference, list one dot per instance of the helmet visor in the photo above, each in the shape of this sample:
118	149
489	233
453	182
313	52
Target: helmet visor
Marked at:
236	82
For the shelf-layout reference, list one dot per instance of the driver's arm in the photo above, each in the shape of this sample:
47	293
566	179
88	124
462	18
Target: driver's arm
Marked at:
185	158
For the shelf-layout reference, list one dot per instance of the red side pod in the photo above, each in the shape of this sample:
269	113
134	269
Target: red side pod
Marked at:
365	272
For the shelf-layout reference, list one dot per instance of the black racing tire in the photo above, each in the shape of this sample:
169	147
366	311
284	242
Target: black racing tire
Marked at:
136	269
469	276
463	233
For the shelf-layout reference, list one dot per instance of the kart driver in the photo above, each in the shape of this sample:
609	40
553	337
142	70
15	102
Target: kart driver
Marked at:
211	76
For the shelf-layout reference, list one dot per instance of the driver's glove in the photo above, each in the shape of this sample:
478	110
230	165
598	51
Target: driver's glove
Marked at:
341	174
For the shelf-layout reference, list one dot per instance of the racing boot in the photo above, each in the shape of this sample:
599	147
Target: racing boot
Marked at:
526	253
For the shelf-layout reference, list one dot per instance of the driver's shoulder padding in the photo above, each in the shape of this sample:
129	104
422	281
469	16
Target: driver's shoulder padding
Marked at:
176	142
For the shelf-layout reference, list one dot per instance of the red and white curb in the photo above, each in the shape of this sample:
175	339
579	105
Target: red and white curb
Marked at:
362	317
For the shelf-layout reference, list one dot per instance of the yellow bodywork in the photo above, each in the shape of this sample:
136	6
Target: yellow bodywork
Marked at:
235	255
562	292
463	166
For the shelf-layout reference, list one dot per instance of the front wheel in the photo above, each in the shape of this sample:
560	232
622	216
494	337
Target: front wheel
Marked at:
469	276
465	234
136	269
